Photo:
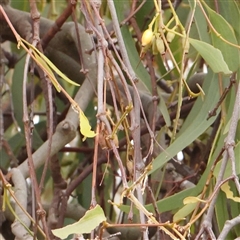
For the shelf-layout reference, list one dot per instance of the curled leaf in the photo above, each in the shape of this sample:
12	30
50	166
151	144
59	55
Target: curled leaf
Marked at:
85	127
229	194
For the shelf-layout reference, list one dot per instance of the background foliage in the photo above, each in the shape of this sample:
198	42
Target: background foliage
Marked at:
159	85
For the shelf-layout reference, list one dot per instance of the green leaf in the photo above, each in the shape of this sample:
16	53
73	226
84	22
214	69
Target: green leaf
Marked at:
230	53
17	85
184	211
211	55
144	11
164	111
222	212
86	224
196	124
228	169
20	5
190	204
231	13
234	207
200	22
16	142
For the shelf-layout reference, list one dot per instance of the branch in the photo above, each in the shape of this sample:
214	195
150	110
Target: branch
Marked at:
21	194
66	130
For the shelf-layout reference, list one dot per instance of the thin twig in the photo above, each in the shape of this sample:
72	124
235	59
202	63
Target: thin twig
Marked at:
223	96
2	66
135	113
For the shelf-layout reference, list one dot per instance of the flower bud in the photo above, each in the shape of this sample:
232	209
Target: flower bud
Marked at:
160	45
170	36
147	37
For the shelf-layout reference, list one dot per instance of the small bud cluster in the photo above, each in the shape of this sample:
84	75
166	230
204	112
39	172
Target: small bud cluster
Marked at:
150	39
155	41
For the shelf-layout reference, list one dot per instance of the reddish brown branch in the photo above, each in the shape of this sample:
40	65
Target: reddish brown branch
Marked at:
58	24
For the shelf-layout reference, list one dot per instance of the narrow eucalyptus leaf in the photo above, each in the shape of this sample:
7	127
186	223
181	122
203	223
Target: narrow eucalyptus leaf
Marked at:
230	53
86	224
212	56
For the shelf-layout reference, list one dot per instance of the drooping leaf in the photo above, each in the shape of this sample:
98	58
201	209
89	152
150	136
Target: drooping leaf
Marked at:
211	55
230	53
49	63
85	127
86	224
48	71
46	66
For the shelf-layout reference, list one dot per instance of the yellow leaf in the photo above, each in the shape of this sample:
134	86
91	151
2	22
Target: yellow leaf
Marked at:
85	127
49	63
48	71
188	200
229	194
